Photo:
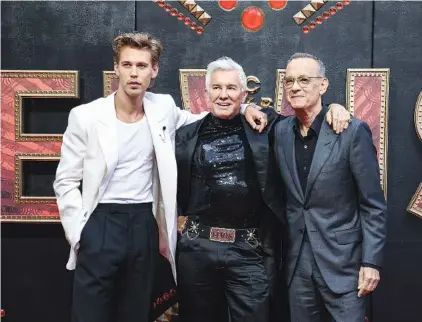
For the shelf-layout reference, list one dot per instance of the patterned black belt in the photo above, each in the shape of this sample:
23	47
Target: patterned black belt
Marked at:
192	229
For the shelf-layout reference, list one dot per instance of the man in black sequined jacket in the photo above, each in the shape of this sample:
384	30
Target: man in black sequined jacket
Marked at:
229	252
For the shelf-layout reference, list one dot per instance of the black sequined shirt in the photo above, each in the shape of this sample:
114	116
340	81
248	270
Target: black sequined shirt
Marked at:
224	185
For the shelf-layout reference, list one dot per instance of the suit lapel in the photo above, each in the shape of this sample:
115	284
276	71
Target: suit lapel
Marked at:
258	143
326	140
185	159
290	155
107	134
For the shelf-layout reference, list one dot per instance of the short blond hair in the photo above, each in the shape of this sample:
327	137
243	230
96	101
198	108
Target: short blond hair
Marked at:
140	40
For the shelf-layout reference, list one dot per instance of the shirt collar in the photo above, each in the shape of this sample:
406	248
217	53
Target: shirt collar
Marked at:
316	124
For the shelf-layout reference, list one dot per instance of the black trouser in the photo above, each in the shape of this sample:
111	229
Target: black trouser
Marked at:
311	300
115	266
218	279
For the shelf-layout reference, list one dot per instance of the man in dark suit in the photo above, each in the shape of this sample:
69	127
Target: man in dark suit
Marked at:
335	207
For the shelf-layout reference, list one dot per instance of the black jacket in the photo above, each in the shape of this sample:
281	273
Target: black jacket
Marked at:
272	218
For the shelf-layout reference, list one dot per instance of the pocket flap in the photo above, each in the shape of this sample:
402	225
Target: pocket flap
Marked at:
349	236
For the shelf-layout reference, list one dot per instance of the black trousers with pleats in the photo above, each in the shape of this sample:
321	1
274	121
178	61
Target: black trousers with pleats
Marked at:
219	282
116	263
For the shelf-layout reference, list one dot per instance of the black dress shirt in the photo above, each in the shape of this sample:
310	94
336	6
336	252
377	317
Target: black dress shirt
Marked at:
224	186
305	147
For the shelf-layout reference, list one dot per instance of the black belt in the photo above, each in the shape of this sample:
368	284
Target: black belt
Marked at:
193	229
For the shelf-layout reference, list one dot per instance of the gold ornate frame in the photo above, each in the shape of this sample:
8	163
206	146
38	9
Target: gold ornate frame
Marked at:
73	75
384	73
279	89
19	159
415	205
108	77
184	87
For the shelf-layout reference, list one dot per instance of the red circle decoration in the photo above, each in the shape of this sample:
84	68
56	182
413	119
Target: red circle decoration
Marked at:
227	5
193	25
161	3
174	12
333	11
253	19
339	5
180	16
2	313
312	24
346	2
306	30
167	7
187	21
326	15
319	20
199	30
277	4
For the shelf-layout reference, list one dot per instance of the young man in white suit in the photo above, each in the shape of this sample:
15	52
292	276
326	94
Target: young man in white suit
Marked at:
122	148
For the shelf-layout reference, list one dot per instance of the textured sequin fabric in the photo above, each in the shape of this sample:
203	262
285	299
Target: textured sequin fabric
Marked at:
223	181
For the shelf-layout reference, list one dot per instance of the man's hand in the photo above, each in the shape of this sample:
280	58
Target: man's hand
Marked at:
368	280
338	117
256	119
181	222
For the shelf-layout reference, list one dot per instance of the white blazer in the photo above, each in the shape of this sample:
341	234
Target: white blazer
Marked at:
90	153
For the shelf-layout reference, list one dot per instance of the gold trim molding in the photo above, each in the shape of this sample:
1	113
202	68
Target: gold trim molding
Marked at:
279	89
19	159
418	116
384	73
72	75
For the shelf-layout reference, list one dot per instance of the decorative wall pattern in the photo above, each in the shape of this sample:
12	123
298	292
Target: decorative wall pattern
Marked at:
18	147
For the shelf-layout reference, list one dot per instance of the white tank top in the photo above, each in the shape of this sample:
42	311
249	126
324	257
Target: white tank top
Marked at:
131	181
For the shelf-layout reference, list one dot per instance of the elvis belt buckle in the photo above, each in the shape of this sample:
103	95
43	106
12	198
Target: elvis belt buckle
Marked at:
222	235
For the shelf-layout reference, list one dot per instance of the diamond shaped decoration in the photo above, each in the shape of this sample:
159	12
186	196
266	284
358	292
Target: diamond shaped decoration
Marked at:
190	4
299	18
182	1
205	18
317	4
197	11
308	11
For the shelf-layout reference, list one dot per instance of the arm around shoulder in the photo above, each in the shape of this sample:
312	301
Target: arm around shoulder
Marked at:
185	117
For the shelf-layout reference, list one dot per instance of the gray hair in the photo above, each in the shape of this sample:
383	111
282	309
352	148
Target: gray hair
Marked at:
225	63
306	55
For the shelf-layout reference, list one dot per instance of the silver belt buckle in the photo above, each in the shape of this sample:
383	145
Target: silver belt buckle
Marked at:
222	235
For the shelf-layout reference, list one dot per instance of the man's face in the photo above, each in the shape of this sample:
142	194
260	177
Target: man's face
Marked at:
135	70
302	83
225	93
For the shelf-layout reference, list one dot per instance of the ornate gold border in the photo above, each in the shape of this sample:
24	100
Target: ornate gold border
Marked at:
412	207
279	89
418	116
20	136
183	77
108	76
19	158
384	73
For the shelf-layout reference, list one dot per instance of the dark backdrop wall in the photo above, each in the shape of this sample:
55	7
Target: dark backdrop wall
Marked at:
78	35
